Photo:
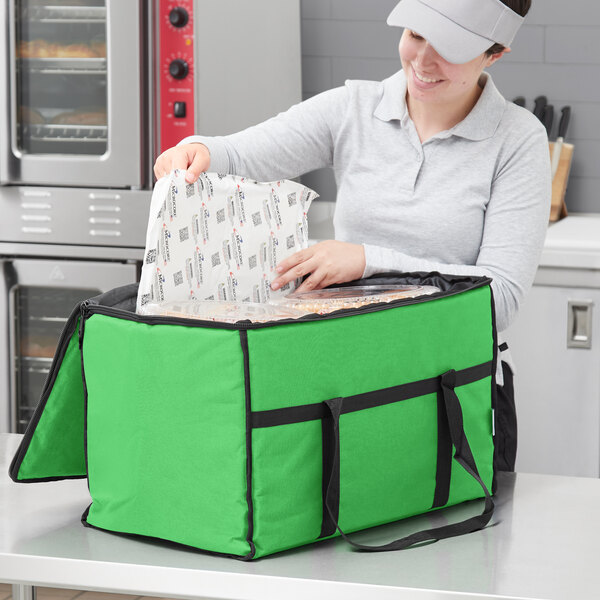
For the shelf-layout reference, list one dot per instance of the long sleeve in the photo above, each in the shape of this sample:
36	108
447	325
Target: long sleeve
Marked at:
294	142
472	200
513	234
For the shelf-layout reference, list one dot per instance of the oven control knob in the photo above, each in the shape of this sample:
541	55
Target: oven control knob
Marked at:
178	17
178	69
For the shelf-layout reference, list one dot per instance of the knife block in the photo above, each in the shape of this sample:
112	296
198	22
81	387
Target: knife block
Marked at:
558	208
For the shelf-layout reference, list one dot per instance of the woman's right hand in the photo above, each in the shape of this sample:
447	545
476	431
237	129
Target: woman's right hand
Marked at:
192	158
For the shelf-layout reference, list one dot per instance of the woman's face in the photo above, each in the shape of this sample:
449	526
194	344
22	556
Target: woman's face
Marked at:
431	78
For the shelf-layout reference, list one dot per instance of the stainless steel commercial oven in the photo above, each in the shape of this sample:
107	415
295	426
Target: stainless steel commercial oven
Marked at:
91	91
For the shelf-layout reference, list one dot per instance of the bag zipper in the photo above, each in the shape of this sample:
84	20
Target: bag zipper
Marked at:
88	308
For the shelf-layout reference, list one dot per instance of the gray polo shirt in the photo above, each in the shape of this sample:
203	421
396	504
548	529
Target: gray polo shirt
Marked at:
472	200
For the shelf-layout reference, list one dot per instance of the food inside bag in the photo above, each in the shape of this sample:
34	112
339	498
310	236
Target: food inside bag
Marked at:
293	306
223	312
328	300
221	238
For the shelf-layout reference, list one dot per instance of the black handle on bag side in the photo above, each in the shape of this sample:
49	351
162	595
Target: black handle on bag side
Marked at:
463	456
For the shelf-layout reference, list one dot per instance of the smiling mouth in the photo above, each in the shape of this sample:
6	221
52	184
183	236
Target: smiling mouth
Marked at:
425	79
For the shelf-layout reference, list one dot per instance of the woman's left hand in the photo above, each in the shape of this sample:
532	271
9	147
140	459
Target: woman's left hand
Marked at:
328	262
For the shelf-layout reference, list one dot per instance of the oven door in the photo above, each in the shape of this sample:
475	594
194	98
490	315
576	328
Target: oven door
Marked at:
36	297
71	103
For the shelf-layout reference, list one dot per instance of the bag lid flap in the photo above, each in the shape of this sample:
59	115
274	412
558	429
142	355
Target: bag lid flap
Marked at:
53	444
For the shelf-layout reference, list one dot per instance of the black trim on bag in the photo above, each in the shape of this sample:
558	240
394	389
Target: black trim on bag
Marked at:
61	349
248	404
458	285
310	412
494	387
85	393
153	539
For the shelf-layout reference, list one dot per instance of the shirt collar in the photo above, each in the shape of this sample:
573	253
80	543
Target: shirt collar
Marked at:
480	124
392	105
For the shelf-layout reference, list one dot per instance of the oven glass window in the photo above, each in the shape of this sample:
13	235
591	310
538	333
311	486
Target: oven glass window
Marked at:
61	76
39	317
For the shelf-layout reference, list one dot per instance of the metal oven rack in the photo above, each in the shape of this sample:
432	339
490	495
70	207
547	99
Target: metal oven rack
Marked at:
66	133
65	14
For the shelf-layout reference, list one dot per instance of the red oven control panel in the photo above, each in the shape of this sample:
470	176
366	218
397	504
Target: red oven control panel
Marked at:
176	71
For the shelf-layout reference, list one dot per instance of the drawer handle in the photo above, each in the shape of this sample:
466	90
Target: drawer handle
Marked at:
579	324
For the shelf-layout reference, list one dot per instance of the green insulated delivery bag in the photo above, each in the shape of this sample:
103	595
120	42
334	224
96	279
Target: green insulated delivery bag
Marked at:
246	439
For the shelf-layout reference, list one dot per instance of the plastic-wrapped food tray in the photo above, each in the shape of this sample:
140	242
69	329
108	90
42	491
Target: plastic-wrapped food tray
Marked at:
222	311
292	306
332	299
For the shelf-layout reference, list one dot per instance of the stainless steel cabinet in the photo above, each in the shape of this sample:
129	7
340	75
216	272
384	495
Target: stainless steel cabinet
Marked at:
555	343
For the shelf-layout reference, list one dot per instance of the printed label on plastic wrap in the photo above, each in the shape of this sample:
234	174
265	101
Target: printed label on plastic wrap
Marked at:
221	238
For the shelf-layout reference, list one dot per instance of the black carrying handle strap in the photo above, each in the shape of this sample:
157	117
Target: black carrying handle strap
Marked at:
462	454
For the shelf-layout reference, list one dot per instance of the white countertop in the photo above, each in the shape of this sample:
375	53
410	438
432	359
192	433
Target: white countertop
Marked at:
573	242
542	543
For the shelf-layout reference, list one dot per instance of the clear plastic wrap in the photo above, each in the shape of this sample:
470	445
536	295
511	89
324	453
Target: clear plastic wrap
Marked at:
331	299
292	306
221	311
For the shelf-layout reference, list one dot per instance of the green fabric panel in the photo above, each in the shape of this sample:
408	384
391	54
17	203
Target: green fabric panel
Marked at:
56	448
388	453
388	460
286	486
309	362
166	432
477	419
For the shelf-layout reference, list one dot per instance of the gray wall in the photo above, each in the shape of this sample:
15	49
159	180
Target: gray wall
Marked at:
556	53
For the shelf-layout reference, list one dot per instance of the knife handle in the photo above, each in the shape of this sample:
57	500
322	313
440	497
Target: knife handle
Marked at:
548	118
539	105
564	121
519	101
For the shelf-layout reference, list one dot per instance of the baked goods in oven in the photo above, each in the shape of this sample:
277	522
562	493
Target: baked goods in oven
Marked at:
99	49
76	51
30	116
44	49
33	49
39	346
81	117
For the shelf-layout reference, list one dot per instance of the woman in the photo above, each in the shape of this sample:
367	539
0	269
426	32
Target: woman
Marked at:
435	171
